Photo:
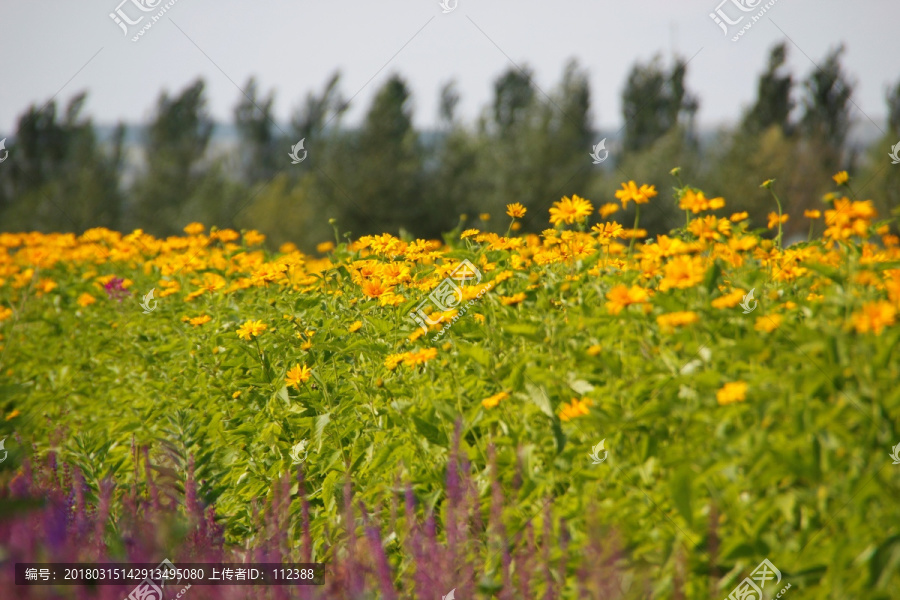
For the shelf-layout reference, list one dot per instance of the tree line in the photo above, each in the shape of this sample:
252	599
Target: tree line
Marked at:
526	146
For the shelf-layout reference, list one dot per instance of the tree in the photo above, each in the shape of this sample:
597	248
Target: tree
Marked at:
61	180
773	96
654	101
826	104
383	193
448	102
513	97
893	106
254	121
175	146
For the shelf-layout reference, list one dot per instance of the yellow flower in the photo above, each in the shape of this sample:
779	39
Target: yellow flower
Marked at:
570	210
325	247
621	296
468	233
729	300
485	216
419	357
251	329
841	178
194	229
874	317
417	334
735	391
393	360
306	345
514	299
683	272
5	313
698	202
767	323
812	214
670	321
774	220
288	247
196	321
595	350
253	238
576	408
236	395
226	235
767	183
354	327
494	400
516	226
15	413
297	375
630	191
739	216
608	209
84	299
516	210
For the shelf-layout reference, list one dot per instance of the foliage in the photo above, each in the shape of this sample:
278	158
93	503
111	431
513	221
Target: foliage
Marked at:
731	437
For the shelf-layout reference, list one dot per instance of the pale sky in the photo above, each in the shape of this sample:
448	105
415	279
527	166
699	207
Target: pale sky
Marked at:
56	47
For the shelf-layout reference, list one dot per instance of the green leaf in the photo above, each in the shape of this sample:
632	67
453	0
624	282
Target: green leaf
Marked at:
680	488
431	433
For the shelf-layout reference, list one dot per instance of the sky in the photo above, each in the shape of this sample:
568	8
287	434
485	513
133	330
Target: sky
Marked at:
56	48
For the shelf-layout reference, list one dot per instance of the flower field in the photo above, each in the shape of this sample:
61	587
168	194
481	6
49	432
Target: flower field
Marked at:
745	393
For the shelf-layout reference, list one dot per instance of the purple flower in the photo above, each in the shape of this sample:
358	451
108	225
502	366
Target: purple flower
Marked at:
115	290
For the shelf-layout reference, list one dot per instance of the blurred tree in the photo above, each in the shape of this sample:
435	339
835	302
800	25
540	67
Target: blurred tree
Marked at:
893	105
258	142
452	183
448	103
60	179
826	103
175	146
654	101
383	192
773	96
534	150
513	98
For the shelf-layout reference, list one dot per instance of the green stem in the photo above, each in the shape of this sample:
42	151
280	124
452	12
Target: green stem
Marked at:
778	239
637	216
